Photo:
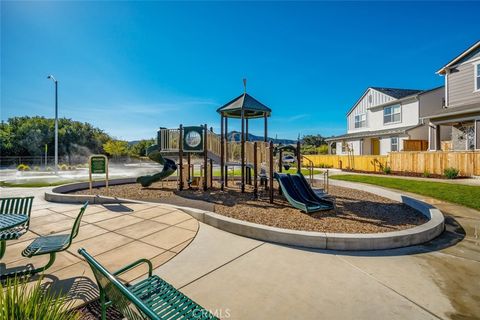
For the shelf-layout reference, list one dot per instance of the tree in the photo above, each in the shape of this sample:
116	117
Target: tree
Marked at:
313	140
139	149
27	136
116	148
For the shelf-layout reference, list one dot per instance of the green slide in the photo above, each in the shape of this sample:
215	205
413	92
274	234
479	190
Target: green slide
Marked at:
169	167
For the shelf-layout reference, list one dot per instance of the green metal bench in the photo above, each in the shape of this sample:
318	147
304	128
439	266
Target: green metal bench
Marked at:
151	298
16	206
52	244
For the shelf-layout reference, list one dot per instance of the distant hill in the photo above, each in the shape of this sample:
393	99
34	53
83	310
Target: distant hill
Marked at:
236	136
251	137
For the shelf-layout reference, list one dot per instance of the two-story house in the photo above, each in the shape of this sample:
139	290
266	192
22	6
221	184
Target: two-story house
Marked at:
460	116
383	118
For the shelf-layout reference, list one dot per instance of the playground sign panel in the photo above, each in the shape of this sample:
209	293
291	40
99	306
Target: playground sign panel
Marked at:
98	164
193	139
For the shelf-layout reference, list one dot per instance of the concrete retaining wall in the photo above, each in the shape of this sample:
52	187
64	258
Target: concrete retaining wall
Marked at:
318	240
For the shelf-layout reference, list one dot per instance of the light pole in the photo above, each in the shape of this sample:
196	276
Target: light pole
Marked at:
56	122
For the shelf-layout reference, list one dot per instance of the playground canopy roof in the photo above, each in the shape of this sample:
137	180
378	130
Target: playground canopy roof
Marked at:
251	107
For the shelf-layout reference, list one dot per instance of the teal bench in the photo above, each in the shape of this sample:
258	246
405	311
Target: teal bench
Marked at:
17	206
52	244
151	298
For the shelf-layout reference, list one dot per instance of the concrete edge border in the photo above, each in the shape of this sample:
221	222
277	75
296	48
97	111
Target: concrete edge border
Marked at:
318	240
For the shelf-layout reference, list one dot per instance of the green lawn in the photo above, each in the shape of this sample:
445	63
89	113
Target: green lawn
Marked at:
468	196
36	184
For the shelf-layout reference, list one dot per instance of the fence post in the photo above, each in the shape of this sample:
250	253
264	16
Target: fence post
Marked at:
180	158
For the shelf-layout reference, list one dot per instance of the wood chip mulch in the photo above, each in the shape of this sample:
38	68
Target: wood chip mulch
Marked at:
357	211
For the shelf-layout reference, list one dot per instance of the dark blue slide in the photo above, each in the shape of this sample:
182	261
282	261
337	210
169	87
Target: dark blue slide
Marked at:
299	195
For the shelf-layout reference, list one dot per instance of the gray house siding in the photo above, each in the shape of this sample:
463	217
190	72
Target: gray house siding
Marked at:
461	85
431	102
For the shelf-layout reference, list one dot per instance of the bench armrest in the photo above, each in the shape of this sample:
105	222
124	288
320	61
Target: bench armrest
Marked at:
133	265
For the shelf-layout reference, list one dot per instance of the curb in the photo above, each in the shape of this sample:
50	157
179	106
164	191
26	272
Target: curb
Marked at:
310	239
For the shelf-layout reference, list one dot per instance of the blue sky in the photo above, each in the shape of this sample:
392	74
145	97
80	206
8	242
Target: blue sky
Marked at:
130	67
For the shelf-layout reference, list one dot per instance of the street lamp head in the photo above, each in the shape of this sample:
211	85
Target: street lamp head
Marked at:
51	77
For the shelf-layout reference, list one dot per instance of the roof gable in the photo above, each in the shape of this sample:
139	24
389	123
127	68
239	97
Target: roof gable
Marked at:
464	56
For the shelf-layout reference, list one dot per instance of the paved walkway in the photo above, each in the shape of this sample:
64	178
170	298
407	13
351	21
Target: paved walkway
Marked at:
248	279
242	278
115	235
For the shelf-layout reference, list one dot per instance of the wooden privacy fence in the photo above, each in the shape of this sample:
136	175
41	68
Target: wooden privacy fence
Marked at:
364	163
435	162
468	162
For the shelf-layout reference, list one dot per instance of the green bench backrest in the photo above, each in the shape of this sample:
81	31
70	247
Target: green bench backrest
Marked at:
17	205
76	225
129	305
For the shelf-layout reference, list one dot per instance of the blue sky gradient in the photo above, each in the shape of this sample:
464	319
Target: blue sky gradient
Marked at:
130	67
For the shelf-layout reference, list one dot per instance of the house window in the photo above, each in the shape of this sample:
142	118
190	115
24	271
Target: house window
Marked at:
394	144
477	77
391	114
360	121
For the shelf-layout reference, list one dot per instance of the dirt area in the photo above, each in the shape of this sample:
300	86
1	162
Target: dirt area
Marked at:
357	211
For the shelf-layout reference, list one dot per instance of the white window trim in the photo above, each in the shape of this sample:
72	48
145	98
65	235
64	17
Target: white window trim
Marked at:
355	122
398	144
475	77
392	122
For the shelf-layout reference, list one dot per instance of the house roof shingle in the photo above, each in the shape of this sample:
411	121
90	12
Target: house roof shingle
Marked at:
397	93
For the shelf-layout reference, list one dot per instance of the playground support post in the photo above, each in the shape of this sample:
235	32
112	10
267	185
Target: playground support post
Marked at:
242	151
280	164
180	158
246	129
271	172
211	173
299	158
222	153
225	180
265	128
255	171
189	175
205	158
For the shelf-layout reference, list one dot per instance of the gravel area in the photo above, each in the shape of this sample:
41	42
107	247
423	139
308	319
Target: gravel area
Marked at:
357	211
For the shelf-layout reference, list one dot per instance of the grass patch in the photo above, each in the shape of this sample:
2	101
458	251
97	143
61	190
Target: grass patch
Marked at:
35	184
464	195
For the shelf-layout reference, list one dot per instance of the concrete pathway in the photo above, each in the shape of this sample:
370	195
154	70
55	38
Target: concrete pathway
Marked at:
115	235
241	278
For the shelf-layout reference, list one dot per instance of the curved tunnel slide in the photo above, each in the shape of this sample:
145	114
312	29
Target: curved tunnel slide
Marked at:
299	193
169	167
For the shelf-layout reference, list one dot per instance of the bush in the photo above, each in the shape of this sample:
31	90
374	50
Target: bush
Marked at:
63	167
20	301
48	169
426	174
387	170
323	149
451	173
36	168
23	167
323	165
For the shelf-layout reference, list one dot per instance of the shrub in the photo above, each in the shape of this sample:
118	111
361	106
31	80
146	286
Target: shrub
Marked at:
20	301
323	149
451	173
387	170
426	174
63	167
36	168
323	165
48	169
23	167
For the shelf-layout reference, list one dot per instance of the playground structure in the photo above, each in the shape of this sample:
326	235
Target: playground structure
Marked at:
256	159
